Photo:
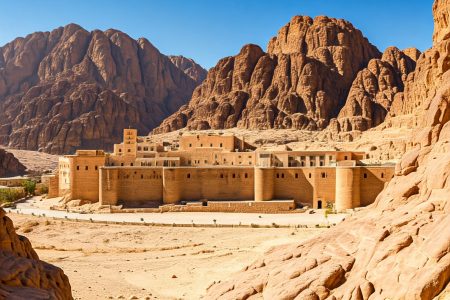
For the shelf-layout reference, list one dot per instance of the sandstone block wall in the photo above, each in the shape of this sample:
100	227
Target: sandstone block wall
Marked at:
347	187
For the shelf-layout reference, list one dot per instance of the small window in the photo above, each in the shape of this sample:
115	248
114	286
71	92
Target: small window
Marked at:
246	175
309	175
206	161
220	145
131	164
96	168
120	150
78	168
365	175
278	175
121	164
188	175
86	168
296	175
210	145
129	150
234	175
221	175
382	175
190	145
139	148
282	175
142	176
321	163
189	162
345	157
324	175
201	145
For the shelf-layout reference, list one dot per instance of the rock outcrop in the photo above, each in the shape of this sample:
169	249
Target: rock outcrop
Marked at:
301	82
22	274
190	67
70	89
397	248
9	165
374	90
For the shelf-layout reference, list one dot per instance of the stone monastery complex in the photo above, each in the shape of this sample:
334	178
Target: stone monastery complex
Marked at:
214	172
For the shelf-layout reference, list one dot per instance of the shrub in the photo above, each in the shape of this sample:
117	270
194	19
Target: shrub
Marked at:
11	194
29	187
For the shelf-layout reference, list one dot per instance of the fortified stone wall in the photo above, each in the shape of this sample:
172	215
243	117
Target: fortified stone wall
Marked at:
347	187
190	184
135	185
84	176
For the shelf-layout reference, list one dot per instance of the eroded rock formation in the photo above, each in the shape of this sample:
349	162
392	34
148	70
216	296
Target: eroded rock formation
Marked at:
22	274
9	165
399	247
190	67
374	90
301	82
70	89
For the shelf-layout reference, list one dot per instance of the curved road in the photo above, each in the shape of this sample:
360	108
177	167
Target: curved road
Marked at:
187	218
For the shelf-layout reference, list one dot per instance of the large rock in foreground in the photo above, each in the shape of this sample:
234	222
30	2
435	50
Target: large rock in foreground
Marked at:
69	89
301	82
22	274
9	165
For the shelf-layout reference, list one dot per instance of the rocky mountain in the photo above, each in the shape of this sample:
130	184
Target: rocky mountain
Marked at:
397	248
23	275
190	67
301	82
71	88
374	89
9	165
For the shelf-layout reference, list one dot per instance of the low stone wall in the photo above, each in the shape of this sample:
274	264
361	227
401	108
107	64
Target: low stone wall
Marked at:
266	207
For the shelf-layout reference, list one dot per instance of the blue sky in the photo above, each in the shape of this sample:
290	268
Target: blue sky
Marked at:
207	30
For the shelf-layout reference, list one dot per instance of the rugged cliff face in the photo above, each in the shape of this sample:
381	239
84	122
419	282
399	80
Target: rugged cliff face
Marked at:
301	82
399	247
9	165
22	274
70	89
190	67
374	90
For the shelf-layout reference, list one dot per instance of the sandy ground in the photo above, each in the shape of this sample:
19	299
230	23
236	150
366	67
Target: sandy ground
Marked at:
121	261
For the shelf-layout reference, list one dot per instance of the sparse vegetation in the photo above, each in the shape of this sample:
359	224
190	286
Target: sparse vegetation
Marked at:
9	195
30	187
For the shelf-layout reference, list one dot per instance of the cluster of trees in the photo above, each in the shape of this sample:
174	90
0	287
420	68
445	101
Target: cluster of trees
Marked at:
8	195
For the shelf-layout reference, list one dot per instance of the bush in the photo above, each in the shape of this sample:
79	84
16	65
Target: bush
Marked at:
11	194
41	189
29	187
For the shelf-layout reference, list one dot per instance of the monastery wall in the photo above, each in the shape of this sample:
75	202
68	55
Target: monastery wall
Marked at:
192	184
84	176
134	185
371	186
226	142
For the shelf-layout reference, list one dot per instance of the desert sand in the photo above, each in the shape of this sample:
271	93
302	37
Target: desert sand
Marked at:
121	261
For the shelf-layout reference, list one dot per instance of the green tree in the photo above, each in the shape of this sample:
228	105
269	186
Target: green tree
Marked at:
29	187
